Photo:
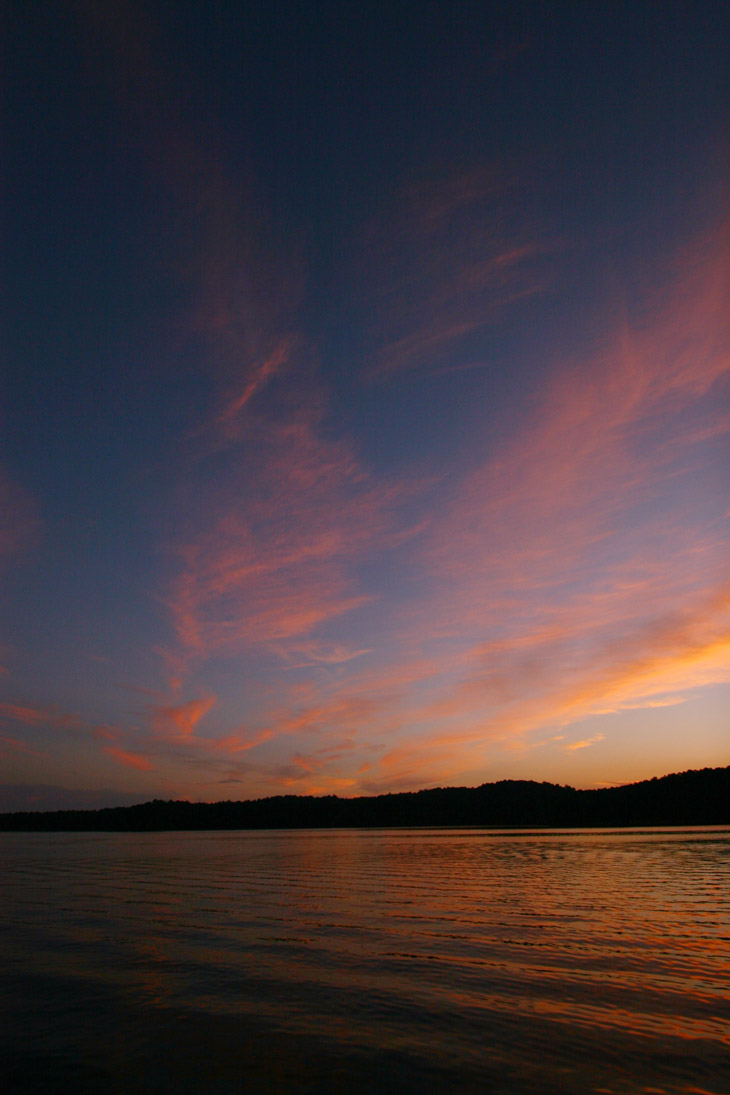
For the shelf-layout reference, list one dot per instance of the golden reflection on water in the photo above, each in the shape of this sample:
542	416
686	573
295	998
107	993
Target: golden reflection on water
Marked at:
538	961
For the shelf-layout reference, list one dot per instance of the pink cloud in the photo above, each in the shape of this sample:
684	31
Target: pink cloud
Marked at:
269	542
39	716
269	559
446	263
106	733
261	373
609	434
16	745
580	569
30	716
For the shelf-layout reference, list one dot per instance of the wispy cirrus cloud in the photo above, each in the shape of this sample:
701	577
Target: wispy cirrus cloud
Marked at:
446	263
270	557
575	568
273	511
601	493
228	419
579	569
575	571
29	715
594	552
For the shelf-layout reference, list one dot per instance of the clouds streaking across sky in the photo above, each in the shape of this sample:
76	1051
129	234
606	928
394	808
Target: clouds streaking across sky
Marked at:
366	398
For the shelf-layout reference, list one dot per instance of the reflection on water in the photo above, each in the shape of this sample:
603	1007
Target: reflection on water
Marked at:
356	960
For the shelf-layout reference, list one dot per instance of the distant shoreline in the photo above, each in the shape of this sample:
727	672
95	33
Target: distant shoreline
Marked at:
695	797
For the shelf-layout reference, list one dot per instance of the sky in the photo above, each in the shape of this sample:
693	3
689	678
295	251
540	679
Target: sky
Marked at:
365	397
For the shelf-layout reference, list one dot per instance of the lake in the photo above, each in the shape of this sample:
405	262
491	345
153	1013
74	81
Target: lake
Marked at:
403	961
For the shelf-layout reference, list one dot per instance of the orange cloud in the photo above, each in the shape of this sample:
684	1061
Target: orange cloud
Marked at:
129	760
585	743
240	742
472	717
182	718
658	664
346	710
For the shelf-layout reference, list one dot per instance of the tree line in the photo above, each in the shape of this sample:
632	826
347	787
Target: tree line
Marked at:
698	797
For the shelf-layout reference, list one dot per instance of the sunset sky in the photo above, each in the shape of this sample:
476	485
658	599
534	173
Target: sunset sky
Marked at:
365	397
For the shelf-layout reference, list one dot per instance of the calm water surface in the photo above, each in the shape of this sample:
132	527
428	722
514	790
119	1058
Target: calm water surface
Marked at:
360	960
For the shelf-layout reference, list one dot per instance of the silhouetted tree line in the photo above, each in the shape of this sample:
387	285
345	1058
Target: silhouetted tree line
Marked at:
686	798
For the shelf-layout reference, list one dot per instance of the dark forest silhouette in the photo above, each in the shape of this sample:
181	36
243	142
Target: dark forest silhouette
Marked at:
686	798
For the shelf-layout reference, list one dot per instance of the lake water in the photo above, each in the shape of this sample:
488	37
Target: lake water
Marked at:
359	960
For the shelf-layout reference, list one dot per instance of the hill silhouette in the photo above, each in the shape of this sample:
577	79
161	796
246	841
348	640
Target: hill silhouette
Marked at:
697	797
